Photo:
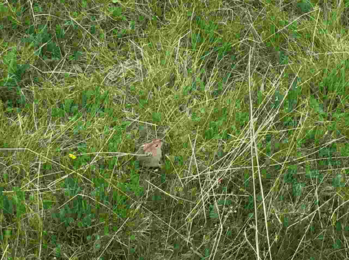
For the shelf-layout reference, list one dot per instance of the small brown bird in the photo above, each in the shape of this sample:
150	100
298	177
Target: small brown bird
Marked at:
151	154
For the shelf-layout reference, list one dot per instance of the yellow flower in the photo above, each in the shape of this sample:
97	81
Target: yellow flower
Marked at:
72	156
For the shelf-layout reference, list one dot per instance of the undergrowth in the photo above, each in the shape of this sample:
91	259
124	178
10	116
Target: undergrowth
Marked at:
250	99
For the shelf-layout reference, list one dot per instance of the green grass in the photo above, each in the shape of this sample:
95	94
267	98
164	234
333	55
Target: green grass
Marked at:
251	99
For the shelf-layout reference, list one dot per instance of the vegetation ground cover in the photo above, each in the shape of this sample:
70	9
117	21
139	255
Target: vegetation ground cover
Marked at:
251	101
